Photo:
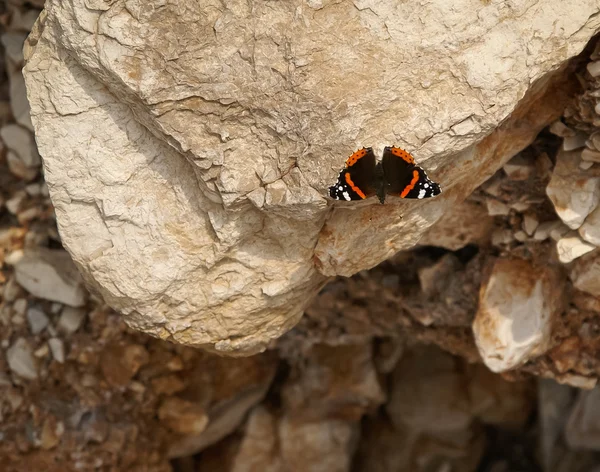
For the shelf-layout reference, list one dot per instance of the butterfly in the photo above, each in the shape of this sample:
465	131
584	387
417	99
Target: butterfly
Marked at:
397	174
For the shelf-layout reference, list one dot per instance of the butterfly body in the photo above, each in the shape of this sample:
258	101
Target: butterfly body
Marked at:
397	174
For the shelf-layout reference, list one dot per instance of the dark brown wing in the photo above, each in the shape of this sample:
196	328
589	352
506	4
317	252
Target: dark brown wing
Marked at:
356	180
404	178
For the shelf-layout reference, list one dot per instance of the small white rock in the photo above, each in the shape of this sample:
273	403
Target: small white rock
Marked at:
37	320
21	142
593	68
530	224
51	275
590	156
57	347
519	168
521	236
13	204
21	361
570	143
590	229
520	207
571	247
558	128
70	319
20	306
585	165
496	207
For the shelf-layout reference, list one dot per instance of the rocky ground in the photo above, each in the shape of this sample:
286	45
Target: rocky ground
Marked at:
383	373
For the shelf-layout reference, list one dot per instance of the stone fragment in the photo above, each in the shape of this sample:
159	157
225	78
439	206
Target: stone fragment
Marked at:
70	319
571	246
21	142
521	236
560	129
57	347
14	203
12	290
496	207
590	229
517	308
183	417
51	275
593	68
21	361
530	224
574	194
519	168
590	156
585	165
37	320
585	274
20	306
570	143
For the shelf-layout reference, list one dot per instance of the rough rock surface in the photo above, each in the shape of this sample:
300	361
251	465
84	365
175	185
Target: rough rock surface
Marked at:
188	155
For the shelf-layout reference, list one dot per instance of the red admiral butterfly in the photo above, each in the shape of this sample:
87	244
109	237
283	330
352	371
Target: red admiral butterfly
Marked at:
397	174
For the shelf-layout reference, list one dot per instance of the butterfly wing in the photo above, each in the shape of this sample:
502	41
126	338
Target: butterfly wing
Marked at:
356	180
404	178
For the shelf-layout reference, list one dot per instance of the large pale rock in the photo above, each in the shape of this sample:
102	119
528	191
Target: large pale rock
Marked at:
188	147
518	306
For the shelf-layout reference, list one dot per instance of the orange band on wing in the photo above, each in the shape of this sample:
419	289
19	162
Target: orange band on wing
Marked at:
354	187
410	186
355	157
402	154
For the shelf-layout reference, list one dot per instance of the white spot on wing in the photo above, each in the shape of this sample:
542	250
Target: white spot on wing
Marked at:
422	193
346	196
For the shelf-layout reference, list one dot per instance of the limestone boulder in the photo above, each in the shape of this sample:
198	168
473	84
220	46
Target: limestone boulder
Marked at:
188	146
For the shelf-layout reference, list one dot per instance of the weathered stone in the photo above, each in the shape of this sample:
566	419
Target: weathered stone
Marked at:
496	207
545	228
50	274
571	246
517	310
169	173
574	193
530	224
21	361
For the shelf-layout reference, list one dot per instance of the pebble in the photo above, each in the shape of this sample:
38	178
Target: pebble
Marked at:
542	232
519	168
521	236
21	142
70	319
590	156
558	128
57	347
594	68
51	275
570	143
530	224
21	361
11	290
37	320
20	306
